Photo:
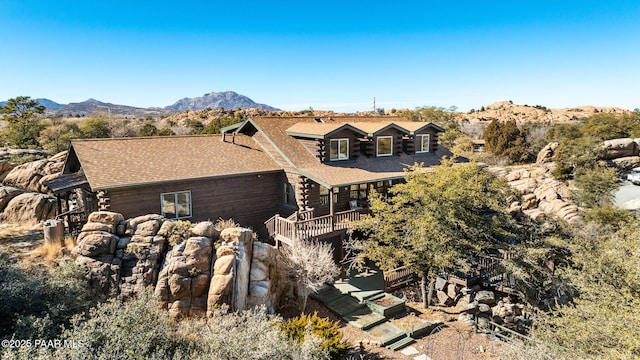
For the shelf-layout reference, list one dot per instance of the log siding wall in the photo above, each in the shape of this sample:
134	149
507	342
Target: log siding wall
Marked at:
248	199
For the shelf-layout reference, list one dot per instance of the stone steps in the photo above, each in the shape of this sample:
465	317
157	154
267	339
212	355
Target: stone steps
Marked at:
401	343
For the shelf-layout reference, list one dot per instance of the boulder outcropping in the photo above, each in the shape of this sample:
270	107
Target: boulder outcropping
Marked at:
193	276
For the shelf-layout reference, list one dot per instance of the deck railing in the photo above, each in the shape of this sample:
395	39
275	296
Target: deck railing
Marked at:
398	278
306	227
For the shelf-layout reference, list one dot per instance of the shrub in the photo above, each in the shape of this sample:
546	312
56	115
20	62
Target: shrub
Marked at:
323	328
222	224
178	231
35	303
95	128
136	329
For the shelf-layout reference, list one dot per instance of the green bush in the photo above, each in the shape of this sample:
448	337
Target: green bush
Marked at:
178	231
323	328
36	303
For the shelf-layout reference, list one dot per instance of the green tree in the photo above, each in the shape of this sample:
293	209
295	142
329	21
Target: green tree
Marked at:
55	139
571	155
505	139
196	126
595	186
164	132
603	321
563	132
436	220
148	130
95	128
23	128
215	126
611	126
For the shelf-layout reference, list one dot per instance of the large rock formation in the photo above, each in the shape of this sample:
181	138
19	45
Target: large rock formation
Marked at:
6	194
23	197
541	195
184	279
264	280
31	176
506	110
26	206
125	257
618	148
232	270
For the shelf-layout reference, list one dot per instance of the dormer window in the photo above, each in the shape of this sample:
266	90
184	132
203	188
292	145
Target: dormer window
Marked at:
385	146
339	149
422	143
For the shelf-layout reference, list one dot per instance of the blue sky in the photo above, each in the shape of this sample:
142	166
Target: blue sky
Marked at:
334	55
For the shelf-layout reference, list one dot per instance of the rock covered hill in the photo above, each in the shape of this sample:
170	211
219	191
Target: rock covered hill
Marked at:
215	100
212	100
91	106
506	110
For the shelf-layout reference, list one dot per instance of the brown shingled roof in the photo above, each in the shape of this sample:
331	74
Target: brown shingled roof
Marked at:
342	172
319	129
111	163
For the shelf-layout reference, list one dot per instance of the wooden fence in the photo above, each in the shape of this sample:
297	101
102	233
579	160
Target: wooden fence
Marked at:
398	278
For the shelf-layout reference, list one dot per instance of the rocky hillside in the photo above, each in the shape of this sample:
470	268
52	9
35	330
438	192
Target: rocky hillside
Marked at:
215	100
90	106
506	110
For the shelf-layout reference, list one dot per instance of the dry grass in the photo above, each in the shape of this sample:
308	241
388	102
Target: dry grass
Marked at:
49	253
222	224
19	239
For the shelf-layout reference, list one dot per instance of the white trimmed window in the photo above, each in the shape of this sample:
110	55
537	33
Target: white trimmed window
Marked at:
176	205
385	146
339	149
422	143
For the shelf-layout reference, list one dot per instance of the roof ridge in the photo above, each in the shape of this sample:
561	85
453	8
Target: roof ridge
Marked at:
151	137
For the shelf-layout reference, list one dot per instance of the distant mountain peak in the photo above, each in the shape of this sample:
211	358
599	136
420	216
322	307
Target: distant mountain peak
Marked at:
216	100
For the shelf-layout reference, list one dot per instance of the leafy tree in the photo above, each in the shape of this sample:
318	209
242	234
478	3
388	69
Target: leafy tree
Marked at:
196	126
23	128
611	126
505	139
563	132
55	139
595	186
311	265
95	128
148	130
438	218
581	153
164	132
215	126
602	322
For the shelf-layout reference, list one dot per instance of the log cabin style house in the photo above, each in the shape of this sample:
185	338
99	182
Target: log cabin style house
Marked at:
291	178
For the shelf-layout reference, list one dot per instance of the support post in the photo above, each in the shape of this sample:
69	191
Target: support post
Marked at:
332	209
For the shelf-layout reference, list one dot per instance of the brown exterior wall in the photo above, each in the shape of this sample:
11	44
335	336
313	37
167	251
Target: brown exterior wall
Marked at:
397	141
248	199
354	144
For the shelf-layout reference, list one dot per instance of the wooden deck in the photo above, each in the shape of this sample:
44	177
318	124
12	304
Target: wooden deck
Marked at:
303	225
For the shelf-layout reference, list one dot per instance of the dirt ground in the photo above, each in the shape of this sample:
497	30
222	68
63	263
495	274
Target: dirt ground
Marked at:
20	240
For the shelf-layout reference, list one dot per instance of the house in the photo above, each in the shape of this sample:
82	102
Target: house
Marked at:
291	177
